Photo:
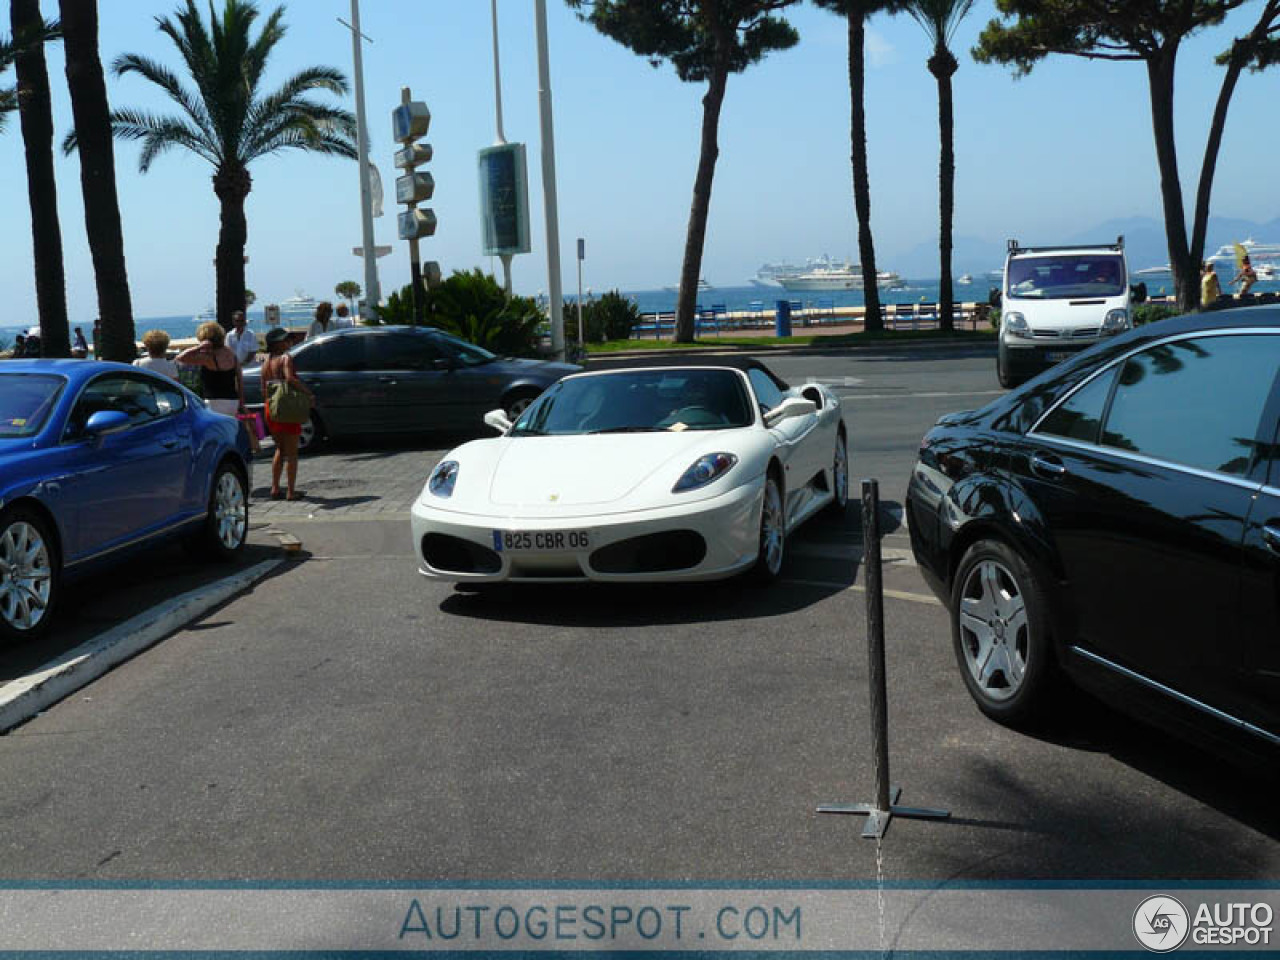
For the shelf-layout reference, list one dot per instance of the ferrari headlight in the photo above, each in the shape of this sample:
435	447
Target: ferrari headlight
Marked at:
1016	325
442	478
704	470
1117	321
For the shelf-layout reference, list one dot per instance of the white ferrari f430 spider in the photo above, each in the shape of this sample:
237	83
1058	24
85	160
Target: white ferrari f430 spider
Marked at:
696	471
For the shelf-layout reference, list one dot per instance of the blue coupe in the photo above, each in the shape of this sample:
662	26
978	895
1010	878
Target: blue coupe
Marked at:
97	459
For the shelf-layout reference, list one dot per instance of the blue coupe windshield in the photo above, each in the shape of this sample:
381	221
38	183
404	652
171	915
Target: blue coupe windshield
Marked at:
26	400
639	401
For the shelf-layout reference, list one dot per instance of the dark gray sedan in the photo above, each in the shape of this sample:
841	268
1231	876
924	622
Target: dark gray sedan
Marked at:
406	380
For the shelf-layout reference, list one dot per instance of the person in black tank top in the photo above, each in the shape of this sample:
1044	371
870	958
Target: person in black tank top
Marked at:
219	370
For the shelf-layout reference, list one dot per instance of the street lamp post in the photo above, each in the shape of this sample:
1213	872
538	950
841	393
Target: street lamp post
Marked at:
549	181
373	293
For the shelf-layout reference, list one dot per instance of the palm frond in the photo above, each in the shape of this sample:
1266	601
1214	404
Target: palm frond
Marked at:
8	104
259	52
158	133
940	18
168	81
322	143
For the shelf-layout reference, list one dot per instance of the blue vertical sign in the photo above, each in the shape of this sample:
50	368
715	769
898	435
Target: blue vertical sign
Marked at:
504	200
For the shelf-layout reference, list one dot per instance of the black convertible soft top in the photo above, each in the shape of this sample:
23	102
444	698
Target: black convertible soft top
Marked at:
732	361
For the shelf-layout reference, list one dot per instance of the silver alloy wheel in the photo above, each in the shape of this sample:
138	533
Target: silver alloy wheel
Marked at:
994	631
230	511
840	472
26	579
308	434
518	406
772	527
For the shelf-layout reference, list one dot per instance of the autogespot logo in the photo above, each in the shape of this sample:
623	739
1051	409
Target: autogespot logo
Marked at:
1161	923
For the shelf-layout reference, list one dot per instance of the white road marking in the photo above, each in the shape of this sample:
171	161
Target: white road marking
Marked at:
821	551
836	381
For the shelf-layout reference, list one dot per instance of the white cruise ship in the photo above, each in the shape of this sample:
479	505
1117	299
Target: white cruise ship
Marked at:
827	274
298	307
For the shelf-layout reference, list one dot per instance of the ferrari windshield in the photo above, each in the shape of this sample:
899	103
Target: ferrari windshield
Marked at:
639	401
1066	276
26	400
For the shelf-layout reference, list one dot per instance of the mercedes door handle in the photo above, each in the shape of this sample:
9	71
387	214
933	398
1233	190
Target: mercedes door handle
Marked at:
391	381
1271	537
1047	465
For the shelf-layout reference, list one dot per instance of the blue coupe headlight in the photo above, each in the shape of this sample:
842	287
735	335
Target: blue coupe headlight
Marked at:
442	478
704	470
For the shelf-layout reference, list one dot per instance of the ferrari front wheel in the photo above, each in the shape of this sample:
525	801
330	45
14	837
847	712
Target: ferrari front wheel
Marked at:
773	532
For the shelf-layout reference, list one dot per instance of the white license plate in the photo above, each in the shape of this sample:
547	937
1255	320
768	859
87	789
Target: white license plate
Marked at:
1056	356
540	541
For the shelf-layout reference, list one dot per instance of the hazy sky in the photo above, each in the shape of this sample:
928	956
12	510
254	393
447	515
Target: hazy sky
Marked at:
1040	158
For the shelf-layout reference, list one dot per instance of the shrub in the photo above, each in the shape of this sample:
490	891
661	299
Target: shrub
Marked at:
474	306
1151	312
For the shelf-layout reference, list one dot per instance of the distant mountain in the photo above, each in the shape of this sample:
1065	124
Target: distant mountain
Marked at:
1144	242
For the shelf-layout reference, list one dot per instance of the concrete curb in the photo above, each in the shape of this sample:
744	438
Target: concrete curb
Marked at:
22	699
766	349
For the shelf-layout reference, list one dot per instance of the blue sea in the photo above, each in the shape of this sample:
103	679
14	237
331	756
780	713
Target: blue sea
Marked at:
733	299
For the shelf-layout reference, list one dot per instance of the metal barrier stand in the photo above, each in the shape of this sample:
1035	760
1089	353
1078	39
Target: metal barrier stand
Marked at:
885	807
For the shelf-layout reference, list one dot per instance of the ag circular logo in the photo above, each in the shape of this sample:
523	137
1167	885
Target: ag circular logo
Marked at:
1161	923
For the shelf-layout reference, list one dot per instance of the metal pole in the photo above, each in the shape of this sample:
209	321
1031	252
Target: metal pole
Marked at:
582	341
372	292
549	181
875	640
497	75
885	807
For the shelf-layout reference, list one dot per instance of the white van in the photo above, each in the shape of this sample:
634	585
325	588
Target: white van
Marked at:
1057	301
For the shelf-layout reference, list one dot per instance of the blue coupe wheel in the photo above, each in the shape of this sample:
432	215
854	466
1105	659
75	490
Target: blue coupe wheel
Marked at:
28	575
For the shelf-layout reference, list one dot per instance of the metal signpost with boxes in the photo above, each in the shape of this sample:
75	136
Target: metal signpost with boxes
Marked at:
409	121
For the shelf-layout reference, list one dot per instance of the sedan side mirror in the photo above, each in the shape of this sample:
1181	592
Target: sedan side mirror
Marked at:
498	420
106	421
789	408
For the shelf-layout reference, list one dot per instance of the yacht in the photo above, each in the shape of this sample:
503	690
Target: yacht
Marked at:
965	279
298	306
1154	273
827	274
703	287
1259	253
768	274
209	314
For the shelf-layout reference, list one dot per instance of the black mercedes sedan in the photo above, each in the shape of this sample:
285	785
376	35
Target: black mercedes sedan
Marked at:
378	380
1116	521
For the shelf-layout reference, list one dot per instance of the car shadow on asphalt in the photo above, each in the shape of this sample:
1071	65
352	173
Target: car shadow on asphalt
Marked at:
1238	785
94	604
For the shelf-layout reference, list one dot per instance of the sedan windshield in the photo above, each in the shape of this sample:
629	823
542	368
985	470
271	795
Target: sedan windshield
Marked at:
639	401
1066	276
26	400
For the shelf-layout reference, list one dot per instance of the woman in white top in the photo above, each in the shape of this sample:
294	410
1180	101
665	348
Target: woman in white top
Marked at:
157	358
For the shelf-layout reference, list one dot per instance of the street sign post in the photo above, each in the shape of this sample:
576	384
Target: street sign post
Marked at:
409	121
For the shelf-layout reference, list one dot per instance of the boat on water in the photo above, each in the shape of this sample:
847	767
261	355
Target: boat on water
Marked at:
1259	253
965	279
703	287
827	274
768	274
205	316
298	306
1154	273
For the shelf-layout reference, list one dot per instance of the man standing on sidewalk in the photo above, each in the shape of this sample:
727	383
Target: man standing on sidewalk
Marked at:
242	341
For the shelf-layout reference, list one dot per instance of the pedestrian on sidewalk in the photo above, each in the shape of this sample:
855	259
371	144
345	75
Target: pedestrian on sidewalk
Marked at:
219	370
157	358
79	346
278	368
1210	289
242	341
1247	277
321	324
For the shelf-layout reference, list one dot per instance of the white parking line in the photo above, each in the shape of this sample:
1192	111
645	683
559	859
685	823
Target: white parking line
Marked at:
919	396
857	588
822	551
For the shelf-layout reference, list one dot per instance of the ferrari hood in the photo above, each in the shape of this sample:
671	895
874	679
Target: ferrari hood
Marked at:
589	470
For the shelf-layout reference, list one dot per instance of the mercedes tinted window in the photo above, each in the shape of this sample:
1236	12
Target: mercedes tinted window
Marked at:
1195	402
334	354
1080	415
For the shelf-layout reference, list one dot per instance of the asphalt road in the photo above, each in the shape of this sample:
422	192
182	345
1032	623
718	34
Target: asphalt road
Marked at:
347	720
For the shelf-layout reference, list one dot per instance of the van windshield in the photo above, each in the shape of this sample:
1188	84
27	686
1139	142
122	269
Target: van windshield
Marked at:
1066	276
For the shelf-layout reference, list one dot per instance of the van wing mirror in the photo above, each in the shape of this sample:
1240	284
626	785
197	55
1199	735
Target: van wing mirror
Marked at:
789	408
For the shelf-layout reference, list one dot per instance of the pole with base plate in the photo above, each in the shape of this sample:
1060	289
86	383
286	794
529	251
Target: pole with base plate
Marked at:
885	807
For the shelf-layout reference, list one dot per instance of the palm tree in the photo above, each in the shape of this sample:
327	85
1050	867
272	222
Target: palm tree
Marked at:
35	112
8	96
940	19
98	178
857	13
348	290
227	120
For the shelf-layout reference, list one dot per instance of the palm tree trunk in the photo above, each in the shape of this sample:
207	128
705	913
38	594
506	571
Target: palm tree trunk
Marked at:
98	178
943	66
231	184
1186	273
36	113
691	270
872	319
